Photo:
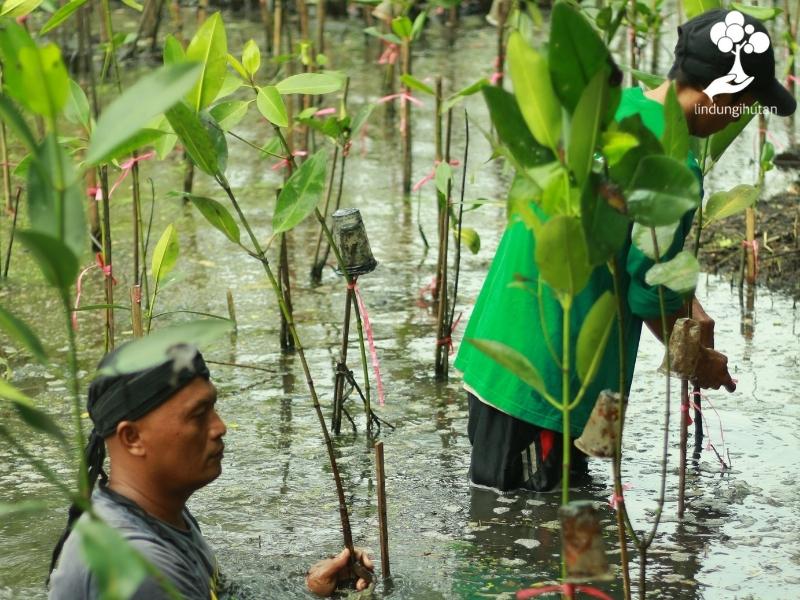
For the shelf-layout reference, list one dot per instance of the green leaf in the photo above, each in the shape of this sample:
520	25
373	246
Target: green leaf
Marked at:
402	27
642	238
762	13
16	123
28	412
55	199
470	238
8	509
623	170
724	204
116	567
152	349
512	130
251	58
167	141
562	256
57	262
678	274
593	337
661	191
238	67
19	8
133	4
616	144
459	96
415	84
61	15
387	37
137	106
230	85
195	138
360	119
145	137
675	139
605	227
300	194
35	77
218	141
648	79
218	216
576	53
312	84
229	114
719	142
77	108
209	47
166	254
534	92
173	51
271	106
442	175
512	360
692	8
19	332
585	126
418	26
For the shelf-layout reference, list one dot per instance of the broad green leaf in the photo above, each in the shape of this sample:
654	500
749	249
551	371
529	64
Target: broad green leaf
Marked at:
562	256
459	96
209	47
117	568
442	175
19	332
133	4
675	139
311	84
229	114
418	26
300	194
152	349
650	80
616	144
218	216
762	13
558	196
77	108
585	126
166	142
194	137
61	15
470	238
724	204
387	37
55	198
229	85
512	360
678	274
402	27
139	104
593	336
145	137
521	195
719	142
57	262
34	76
173	51
166	254
661	191
692	8
218	141
251	58
605	227
360	119
16	123
623	170
576	53
642	238
271	106
535	96
8	509
415	84
512	130
19	8
238	67
28	412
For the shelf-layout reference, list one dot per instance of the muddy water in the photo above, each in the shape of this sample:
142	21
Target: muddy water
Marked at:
273	511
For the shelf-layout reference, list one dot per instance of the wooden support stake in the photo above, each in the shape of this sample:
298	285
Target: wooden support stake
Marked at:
136	311
232	310
382	524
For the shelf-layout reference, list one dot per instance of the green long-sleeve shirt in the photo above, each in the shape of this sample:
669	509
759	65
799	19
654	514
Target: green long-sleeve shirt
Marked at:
511	315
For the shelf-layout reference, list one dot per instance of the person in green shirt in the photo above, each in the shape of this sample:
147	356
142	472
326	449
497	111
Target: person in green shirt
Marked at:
514	432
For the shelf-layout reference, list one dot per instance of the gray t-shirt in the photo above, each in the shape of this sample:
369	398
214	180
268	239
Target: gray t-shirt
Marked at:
183	557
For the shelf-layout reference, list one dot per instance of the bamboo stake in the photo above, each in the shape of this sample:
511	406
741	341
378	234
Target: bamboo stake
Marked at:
232	310
266	20
11	235
684	435
277	27
383	529
321	10
136	311
108	280
6	170
442	347
341	367
287	343
405	119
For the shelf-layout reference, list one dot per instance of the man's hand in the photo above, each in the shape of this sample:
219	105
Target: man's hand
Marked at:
712	371
324	576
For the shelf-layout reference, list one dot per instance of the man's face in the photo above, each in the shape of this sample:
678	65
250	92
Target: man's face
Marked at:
730	108
183	438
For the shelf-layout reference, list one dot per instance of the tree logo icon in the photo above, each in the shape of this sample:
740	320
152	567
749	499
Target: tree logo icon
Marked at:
734	37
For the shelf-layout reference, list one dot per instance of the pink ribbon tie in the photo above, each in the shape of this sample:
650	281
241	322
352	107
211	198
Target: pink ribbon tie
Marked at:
376	366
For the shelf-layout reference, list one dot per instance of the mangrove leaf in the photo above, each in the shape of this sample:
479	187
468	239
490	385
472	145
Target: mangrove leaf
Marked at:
470	238
725	204
513	360
61	15
675	139
642	238
593	337
692	8
229	114
251	58
534	92
661	191
218	216
679	274
173	51
27	411
605	227
300	194
166	254
77	107
585	126
195	137
562	256
209	47
312	84
19	8
56	261
271	106
19	332
16	123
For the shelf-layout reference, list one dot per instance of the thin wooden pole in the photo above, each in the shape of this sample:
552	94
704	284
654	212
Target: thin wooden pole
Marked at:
383	530
136	311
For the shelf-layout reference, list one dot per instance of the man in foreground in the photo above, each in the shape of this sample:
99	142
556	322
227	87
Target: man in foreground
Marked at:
516	434
165	442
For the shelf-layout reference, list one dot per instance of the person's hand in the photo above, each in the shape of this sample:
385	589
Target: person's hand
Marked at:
712	371
324	576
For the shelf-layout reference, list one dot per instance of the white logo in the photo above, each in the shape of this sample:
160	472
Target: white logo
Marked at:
732	35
